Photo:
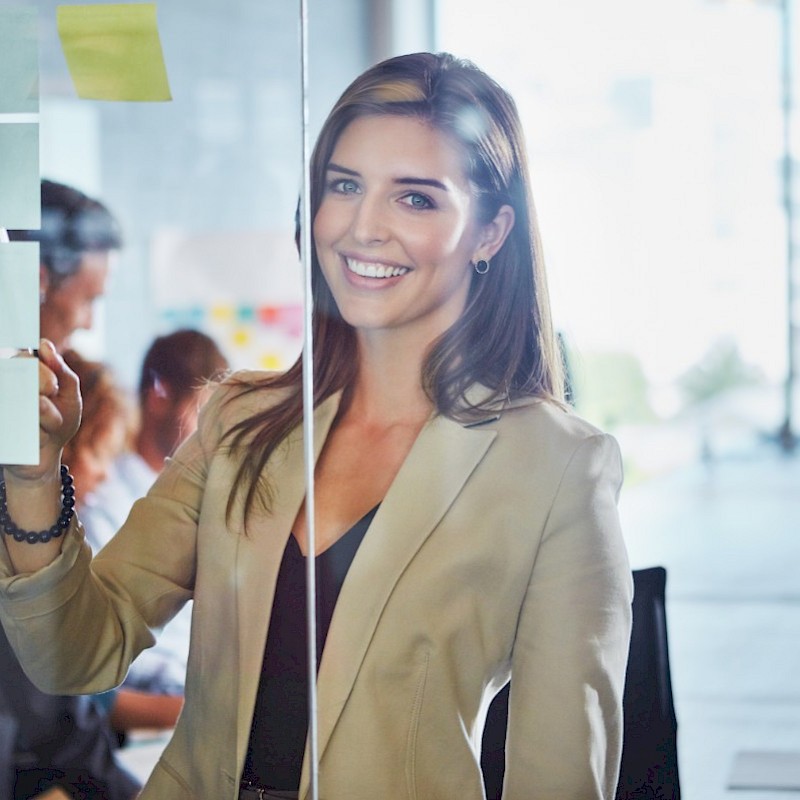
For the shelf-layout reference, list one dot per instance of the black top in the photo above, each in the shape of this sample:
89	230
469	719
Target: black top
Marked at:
280	718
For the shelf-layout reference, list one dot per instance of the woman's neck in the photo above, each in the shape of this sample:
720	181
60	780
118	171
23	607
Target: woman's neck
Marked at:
388	388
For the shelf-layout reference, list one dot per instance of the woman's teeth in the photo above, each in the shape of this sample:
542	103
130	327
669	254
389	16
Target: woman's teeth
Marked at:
374	270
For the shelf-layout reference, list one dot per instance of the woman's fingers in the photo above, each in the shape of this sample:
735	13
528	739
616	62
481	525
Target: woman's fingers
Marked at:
48	383
60	386
51	419
59	414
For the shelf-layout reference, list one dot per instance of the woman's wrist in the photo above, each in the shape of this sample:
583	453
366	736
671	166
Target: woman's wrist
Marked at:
33	505
35	477
21	534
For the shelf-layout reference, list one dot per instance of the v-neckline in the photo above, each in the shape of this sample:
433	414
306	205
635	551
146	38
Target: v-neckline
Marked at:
364	522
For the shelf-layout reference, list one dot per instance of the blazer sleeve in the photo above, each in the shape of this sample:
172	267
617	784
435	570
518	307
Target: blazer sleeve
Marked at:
76	625
564	739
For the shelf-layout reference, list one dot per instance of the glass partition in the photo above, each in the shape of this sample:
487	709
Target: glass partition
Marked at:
655	142
205	185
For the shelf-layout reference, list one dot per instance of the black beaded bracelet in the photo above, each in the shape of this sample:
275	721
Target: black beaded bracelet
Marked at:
54	531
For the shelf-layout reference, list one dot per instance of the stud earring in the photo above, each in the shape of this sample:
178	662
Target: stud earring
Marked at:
482	266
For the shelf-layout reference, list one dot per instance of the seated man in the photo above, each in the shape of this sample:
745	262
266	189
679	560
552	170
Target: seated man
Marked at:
53	746
76	238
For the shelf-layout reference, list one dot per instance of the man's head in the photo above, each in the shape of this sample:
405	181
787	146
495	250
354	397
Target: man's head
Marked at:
75	238
175	377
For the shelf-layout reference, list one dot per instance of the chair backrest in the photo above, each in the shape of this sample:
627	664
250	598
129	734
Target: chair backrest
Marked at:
649	767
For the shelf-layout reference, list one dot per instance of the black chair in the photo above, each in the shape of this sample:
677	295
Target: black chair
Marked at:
649	767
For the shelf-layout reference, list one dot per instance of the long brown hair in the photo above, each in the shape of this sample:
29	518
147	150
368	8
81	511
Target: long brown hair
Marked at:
504	339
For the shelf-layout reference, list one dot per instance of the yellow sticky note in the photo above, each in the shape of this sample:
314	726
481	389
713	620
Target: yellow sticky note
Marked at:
113	51
241	337
271	361
222	313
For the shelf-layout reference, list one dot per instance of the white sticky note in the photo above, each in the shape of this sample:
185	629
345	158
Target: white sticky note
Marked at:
19	294
20	192
19	411
19	60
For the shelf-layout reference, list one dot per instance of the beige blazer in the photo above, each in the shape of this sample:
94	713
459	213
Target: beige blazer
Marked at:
496	550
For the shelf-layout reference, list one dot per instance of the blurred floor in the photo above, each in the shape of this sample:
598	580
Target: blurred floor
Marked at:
728	533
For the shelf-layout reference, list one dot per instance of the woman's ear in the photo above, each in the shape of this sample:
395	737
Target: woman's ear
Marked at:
495	233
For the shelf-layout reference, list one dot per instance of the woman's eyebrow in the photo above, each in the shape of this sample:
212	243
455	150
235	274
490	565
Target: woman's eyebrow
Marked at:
422	182
404	181
337	168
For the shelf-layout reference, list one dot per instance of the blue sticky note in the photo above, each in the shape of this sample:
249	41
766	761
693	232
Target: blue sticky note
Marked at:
19	295
19	410
19	61
20	193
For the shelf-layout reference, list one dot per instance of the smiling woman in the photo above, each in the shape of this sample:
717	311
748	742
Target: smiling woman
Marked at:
397	230
466	518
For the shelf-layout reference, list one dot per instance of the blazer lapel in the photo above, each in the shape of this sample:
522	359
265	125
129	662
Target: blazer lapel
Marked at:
440	462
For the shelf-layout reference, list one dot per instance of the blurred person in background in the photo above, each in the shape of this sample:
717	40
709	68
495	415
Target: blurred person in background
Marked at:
58	747
108	426
76	238
175	378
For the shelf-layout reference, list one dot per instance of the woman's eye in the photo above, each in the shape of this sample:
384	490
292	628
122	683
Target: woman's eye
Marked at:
417	200
343	186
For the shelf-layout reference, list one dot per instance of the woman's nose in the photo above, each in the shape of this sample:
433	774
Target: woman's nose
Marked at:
370	225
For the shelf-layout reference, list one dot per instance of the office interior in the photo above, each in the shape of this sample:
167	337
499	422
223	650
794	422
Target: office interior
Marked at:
661	139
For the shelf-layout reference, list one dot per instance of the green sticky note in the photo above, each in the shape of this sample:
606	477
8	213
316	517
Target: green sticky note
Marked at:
19	61
19	411
113	51
19	294
20	196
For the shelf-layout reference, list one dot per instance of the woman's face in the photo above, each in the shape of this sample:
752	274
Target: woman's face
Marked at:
396	228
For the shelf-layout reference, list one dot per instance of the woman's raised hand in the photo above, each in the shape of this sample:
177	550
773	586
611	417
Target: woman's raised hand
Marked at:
59	415
34	493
